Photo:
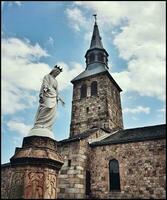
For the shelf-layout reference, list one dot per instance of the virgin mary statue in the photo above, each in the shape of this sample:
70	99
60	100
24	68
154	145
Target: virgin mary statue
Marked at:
48	100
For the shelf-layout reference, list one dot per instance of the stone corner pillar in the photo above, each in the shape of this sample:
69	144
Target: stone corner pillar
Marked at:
34	169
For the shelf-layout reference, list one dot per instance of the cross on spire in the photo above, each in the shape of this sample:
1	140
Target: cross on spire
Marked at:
95	16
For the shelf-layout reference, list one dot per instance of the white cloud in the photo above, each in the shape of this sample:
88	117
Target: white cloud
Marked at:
162	110
10	3
22	74
123	80
76	18
24	49
18	3
140	41
2	4
19	127
12	98
68	73
138	109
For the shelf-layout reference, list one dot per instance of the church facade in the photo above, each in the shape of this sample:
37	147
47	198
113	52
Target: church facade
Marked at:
100	159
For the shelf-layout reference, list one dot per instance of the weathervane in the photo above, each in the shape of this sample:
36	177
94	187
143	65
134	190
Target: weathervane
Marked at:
95	16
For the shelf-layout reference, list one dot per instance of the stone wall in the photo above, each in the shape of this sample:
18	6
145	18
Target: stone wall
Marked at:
102	110
113	102
142	170
72	178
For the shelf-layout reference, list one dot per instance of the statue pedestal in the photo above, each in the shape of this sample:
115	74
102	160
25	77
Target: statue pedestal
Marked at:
34	169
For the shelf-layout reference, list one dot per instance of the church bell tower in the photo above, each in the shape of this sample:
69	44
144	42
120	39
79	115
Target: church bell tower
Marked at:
96	95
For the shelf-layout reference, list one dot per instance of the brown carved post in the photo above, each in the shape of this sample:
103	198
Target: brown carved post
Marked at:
34	168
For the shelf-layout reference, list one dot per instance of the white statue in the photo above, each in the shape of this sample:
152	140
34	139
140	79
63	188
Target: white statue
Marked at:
48	103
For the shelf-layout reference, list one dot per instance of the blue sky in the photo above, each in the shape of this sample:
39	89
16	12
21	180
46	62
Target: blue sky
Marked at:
38	35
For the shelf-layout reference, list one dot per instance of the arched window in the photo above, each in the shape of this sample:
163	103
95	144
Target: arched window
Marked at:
93	88
114	175
83	91
100	57
92	57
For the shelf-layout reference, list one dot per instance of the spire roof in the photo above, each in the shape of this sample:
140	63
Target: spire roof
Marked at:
96	58
96	39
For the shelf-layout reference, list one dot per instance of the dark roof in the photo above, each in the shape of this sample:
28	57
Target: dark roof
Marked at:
134	135
6	165
94	67
96	71
96	39
81	136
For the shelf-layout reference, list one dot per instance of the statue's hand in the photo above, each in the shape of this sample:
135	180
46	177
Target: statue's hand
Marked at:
62	103
45	89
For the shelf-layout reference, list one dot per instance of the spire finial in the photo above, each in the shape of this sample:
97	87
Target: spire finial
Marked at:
95	16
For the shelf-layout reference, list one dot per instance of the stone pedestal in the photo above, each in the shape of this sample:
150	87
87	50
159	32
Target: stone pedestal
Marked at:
33	170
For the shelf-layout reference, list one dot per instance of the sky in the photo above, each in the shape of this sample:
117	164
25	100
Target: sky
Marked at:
35	36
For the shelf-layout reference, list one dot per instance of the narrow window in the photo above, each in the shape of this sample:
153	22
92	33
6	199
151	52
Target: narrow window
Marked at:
91	57
87	109
100	57
93	88
83	91
69	163
88	190
114	95
114	175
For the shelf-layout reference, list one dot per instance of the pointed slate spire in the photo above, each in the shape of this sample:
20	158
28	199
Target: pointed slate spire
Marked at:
96	56
96	39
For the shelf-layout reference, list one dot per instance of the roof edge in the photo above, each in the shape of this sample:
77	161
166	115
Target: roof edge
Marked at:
81	135
104	72
95	144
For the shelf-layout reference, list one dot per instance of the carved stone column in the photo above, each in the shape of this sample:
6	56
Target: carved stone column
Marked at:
34	169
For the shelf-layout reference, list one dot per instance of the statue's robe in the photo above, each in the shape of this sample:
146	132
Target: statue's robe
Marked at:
47	109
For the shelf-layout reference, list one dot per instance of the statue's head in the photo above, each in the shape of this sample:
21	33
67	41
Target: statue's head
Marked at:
56	71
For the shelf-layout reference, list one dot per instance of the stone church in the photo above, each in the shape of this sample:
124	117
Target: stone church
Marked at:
100	159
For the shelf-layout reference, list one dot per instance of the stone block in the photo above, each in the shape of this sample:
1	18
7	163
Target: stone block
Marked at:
62	190
63	171
79	196
72	190
80	176
79	186
70	195
72	172
63	176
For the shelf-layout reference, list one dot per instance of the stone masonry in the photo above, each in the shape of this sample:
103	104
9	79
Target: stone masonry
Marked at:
141	164
142	170
72	176
103	110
